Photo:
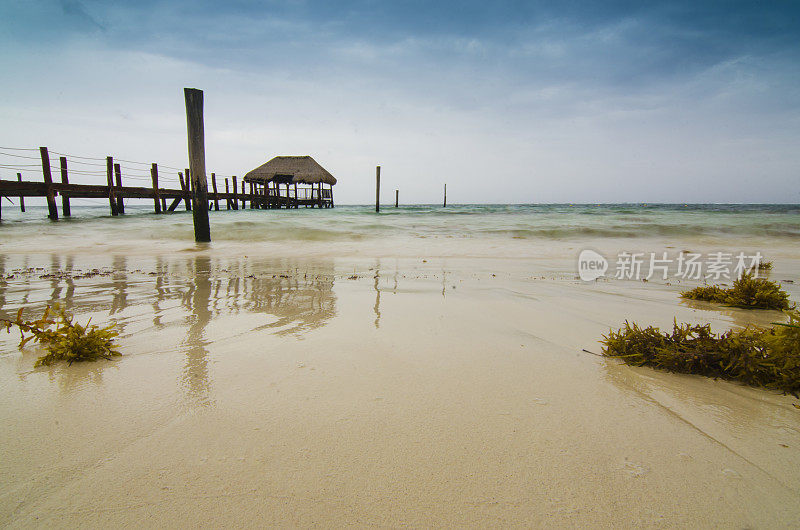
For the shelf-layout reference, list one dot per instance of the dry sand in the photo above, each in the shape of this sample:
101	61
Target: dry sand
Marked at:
450	392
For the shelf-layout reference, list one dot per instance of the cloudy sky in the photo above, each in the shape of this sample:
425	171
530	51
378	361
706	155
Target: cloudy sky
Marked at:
506	101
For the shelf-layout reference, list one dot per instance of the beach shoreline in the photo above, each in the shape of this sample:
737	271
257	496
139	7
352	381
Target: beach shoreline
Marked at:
376	391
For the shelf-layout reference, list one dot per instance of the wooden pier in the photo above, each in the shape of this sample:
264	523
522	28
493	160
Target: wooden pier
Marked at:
165	199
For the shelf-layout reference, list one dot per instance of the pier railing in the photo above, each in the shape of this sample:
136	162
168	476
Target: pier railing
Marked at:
166	186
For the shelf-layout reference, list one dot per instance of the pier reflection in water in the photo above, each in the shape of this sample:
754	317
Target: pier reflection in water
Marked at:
168	297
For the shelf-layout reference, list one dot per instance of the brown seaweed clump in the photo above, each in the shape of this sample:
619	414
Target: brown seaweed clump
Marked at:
747	292
65	340
768	358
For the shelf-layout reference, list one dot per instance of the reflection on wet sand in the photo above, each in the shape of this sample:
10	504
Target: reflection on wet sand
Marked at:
295	299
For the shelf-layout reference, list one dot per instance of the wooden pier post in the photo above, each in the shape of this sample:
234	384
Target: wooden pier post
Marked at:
235	203
377	188
244	196
444	204
197	162
21	198
156	193
227	195
120	204
48	180
65	211
110	179
252	192
184	185
216	195
396	198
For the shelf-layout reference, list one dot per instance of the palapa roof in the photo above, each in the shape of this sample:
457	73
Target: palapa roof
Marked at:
293	169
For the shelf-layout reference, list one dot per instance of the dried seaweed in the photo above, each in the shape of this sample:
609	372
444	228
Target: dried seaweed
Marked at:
65	340
747	292
768	358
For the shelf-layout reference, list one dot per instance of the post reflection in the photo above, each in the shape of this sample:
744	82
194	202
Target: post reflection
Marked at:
167	299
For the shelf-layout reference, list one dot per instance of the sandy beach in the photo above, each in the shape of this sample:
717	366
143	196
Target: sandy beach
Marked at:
377	391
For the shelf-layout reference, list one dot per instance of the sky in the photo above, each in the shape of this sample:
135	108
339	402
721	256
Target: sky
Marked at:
506	101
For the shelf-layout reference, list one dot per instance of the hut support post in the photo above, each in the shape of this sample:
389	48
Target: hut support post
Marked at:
112	202
65	211
21	198
197	162
120	204
156	193
252	192
377	189
48	180
244	203
216	194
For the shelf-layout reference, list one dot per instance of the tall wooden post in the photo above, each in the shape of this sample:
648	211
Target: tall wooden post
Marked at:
244	197
252	202
444	204
197	162
64	195
156	193
396	198
48	180
120	204
377	188
112	202
21	198
235	198
216	195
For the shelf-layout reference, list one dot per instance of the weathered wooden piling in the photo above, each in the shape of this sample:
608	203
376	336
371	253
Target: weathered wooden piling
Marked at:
252	192
48	180
216	195
110	179
227	195
197	162
235	202
444	204
21	197
65	211
396	198
377	188
118	174
186	193
156	193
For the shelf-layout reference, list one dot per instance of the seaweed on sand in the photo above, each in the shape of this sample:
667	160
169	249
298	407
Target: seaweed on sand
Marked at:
65	340
768	358
747	292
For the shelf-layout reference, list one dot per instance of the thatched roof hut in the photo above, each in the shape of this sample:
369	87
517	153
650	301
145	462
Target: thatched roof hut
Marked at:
291	170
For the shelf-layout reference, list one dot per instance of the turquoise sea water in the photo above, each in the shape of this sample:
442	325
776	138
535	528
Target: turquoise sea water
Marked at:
358	223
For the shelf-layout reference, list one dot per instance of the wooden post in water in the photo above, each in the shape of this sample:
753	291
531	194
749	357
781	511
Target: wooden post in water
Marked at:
244	197
21	198
65	211
252	191
377	188
396	198
444	204
156	193
184	185
235	202
48	180
216	195
227	195
110	179
120	204
197	162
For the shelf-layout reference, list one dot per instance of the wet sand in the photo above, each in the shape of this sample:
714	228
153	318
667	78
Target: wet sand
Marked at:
376	392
